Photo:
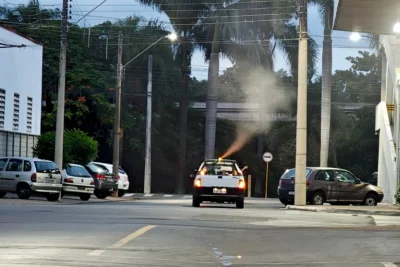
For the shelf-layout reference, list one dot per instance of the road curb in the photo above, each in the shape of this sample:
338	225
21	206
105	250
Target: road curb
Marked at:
344	211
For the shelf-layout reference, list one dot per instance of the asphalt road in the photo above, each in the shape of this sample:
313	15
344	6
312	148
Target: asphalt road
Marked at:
172	233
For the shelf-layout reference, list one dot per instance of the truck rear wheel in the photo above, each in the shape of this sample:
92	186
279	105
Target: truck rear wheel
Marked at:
196	202
240	203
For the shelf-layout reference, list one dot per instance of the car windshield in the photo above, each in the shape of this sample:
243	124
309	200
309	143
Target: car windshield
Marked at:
121	170
292	173
97	168
46	167
77	171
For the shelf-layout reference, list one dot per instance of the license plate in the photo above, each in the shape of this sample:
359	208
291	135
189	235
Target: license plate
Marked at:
219	191
72	188
50	181
291	193
89	189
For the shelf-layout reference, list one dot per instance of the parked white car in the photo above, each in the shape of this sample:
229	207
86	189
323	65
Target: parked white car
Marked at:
77	181
28	176
123	181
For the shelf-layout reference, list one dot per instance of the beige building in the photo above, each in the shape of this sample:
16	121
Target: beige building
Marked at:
381	17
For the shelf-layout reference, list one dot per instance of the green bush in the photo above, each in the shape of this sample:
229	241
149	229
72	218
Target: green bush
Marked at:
78	147
397	196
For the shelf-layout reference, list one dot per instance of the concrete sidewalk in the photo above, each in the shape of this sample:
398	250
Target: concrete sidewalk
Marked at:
381	209
12	199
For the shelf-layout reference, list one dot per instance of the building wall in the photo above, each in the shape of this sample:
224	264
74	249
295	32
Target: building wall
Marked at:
20	85
16	144
388	120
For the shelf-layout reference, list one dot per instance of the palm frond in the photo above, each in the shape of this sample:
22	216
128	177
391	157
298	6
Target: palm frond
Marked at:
287	41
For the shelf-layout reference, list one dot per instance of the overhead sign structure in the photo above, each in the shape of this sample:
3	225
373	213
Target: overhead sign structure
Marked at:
267	157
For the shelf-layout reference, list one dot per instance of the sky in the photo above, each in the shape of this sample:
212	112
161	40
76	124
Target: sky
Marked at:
114	9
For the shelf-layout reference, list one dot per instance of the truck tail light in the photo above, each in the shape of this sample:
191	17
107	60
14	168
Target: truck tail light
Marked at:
197	182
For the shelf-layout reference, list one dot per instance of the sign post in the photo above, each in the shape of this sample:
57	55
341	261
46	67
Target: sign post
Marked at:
249	185
267	157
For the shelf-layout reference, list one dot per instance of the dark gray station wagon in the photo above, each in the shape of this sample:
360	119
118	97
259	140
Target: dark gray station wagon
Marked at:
330	185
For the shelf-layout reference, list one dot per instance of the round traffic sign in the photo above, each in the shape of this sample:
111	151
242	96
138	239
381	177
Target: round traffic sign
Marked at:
267	157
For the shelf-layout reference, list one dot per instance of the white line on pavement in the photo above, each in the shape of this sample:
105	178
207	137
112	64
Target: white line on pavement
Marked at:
389	264
132	236
96	252
129	195
187	196
168	195
149	195
124	240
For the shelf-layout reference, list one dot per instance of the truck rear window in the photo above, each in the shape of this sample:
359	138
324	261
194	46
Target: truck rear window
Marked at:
46	167
220	168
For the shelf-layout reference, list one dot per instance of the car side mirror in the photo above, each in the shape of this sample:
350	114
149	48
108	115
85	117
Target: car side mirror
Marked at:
358	181
193	174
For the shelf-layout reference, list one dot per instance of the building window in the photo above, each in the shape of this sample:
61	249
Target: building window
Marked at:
16	112
2	107
29	115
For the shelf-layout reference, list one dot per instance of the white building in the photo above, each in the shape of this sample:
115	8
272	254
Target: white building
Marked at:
20	93
372	16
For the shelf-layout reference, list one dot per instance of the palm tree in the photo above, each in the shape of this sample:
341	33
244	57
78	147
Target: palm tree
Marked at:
245	31
326	8
183	16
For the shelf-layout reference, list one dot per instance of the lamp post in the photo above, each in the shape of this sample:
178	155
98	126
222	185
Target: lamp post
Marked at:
147	181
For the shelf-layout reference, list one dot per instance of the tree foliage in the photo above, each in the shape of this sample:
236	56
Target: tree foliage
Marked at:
78	147
360	83
397	196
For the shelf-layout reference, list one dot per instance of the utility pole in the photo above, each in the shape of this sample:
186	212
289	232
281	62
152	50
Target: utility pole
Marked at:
117	122
301	127
58	151
147	166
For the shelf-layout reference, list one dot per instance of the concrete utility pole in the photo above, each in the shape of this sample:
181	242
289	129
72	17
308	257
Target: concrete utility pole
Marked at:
58	151
301	128
117	130
147	166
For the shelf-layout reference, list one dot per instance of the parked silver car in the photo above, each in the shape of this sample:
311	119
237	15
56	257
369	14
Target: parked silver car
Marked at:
77	181
28	176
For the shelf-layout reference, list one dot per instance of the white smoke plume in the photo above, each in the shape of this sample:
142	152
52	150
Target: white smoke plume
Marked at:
260	87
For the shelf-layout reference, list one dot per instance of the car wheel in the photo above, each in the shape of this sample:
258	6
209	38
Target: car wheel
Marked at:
284	201
101	194
24	191
370	200
318	198
85	197
240	203
196	202
2	194
52	197
121	193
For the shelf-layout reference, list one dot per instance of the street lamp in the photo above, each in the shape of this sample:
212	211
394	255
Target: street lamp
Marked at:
172	37
147	175
355	36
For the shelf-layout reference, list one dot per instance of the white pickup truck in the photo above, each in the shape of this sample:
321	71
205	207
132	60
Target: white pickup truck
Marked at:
219	180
